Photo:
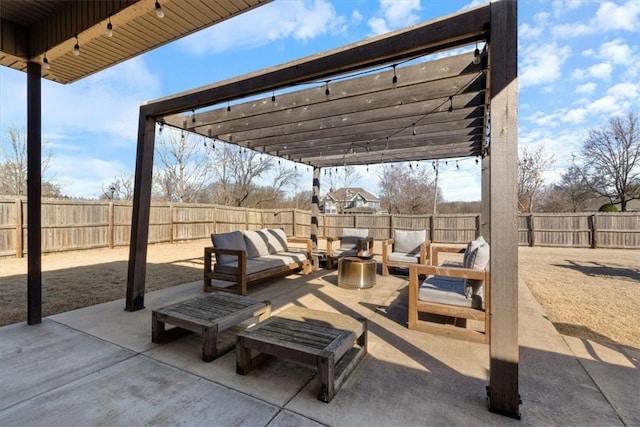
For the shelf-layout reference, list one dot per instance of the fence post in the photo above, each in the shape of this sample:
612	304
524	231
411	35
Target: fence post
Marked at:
19	245
392	226
110	220
171	222
594	231
293	219
431	228
532	239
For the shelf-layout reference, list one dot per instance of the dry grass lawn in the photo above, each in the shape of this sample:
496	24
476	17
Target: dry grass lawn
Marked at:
591	294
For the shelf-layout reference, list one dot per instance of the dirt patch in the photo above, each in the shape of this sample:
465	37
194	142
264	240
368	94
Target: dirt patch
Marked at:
587	293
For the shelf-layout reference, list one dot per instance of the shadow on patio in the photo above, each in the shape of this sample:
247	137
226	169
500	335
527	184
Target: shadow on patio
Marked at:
97	366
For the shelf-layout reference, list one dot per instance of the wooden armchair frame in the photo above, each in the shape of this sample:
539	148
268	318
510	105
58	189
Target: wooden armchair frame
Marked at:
416	306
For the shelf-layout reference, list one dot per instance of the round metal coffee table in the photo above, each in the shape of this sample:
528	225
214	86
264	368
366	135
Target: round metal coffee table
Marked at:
356	272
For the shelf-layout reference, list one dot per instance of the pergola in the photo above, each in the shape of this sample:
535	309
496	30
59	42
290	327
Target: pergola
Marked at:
445	108
452	107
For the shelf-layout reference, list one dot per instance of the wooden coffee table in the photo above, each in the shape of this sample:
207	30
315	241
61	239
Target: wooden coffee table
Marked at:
208	316
333	343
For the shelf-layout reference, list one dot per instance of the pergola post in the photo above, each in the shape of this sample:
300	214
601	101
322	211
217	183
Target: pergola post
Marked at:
503	383
34	193
140	215
315	206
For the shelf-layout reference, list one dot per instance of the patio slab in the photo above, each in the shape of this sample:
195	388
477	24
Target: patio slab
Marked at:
408	378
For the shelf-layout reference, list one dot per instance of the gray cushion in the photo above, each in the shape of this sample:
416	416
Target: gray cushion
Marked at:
351	236
285	258
476	257
257	244
276	239
233	240
402	257
336	253
408	241
254	265
444	290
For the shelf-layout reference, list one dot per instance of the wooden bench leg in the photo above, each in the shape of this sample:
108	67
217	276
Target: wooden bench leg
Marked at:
210	345
326	378
157	329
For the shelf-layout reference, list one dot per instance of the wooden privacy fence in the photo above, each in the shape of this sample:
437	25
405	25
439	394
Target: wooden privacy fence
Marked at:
73	225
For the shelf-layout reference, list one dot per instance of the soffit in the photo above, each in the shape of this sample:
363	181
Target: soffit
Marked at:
31	27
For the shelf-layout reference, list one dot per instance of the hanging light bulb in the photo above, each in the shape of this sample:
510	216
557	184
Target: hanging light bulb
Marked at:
109	31
76	47
476	55
159	11
160	128
450	103
394	80
45	62
326	88
273	96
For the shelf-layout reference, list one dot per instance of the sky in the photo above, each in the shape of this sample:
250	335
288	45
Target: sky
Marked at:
578	66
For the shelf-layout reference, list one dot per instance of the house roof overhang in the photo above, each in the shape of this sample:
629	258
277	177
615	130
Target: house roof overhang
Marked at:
432	109
31	28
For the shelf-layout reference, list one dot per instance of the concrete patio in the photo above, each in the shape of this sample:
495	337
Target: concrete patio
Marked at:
98	366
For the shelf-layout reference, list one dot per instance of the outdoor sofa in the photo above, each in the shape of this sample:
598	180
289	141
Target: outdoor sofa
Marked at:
249	256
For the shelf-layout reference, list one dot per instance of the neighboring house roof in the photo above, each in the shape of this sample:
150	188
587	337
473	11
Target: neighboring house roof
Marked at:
350	193
596	203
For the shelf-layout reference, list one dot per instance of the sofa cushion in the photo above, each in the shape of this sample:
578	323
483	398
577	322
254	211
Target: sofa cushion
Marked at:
233	240
408	241
285	258
351	236
254	265
276	240
257	244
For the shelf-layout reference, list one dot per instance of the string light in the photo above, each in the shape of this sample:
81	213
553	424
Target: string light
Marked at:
273	96
109	31
228	106
45	61
160	129
450	103
76	47
326	88
159	11
394	80
193	116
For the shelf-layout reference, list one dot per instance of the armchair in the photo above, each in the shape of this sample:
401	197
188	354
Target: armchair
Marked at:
407	247
453	293
353	242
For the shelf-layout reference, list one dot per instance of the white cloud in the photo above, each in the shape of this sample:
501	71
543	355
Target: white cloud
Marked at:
617	52
612	16
300	20
542	64
356	17
394	14
587	88
601	71
609	17
83	176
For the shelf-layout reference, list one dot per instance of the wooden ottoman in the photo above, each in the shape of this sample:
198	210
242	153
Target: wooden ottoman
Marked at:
207	316
334	343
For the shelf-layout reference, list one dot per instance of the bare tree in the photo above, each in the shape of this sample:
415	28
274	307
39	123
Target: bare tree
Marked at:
407	190
120	189
571	193
238	171
610	160
13	167
184	167
531	166
343	177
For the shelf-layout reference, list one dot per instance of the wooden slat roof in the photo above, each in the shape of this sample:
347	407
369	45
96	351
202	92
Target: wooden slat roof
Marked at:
434	108
32	27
